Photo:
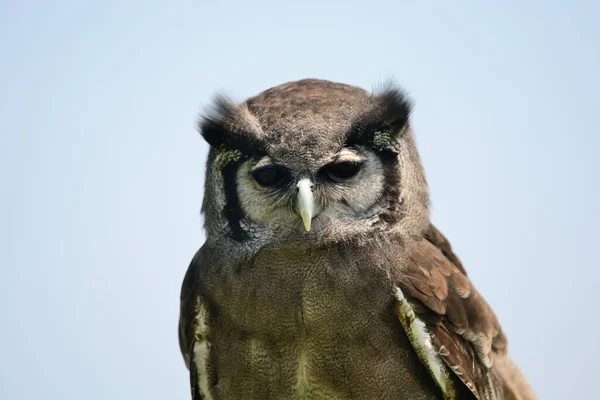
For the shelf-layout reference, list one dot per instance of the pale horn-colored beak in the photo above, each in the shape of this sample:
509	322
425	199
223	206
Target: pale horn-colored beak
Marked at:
305	202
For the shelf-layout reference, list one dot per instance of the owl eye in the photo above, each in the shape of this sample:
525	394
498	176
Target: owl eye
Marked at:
341	171
270	175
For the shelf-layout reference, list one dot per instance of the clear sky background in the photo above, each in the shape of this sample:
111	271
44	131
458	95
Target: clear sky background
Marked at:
101	169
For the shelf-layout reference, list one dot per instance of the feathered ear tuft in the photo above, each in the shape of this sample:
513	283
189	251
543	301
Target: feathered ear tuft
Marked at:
396	108
382	124
229	126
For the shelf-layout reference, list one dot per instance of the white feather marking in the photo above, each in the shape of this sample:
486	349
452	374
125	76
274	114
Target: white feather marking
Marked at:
302	373
348	155
421	341
202	350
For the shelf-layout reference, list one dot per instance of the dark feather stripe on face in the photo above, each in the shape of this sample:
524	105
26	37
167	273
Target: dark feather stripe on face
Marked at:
392	212
233	210
381	128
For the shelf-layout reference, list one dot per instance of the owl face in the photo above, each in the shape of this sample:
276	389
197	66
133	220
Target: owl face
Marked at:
312	160
345	187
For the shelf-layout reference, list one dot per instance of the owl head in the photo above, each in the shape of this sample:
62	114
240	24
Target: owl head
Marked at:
312	160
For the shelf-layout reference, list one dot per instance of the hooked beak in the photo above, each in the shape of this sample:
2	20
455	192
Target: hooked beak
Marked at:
305	202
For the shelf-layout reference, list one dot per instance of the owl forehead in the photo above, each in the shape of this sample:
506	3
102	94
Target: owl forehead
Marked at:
305	151
307	121
307	105
306	142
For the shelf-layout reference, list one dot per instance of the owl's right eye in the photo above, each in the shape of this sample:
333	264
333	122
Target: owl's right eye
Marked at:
270	175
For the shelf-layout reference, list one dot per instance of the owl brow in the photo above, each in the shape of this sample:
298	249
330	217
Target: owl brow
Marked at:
381	123
264	161
219	137
375	134
348	155
230	126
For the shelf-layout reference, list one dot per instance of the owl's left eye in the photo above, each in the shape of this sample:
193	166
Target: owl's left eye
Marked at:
270	175
341	171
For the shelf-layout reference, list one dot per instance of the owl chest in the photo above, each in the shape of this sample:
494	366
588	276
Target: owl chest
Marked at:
304	327
293	296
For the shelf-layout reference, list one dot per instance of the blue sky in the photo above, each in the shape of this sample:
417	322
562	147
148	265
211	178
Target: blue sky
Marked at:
102	169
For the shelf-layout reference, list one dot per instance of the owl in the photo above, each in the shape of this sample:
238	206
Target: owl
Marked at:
322	276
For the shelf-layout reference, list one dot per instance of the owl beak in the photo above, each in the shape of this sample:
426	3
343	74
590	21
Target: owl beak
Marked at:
305	202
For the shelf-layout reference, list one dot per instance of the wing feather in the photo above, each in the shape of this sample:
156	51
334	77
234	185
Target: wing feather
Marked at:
462	327
194	333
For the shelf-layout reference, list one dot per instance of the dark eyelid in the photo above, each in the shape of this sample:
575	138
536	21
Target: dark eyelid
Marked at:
270	166
344	163
281	175
340	171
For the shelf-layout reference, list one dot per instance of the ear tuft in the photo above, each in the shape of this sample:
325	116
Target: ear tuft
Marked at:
395	108
229	126
384	122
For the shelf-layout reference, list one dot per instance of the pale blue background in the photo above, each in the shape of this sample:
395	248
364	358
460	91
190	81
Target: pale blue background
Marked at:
102	170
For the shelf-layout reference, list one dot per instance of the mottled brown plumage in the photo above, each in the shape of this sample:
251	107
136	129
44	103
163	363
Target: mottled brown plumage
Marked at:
371	302
463	327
